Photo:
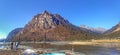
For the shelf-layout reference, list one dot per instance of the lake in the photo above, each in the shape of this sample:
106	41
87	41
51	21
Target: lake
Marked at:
100	49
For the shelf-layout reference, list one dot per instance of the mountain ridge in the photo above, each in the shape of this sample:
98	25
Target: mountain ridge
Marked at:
113	29
97	30
13	33
52	27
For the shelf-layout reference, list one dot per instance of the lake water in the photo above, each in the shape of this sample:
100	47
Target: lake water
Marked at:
1	45
102	49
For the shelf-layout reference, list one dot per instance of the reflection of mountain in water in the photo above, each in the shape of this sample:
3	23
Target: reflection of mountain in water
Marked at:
2	47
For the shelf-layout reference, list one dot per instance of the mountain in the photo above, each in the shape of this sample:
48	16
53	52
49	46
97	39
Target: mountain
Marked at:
96	30
13	33
113	33
52	27
114	29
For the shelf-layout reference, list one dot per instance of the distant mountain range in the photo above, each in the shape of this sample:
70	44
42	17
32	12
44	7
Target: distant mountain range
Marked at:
97	30
53	27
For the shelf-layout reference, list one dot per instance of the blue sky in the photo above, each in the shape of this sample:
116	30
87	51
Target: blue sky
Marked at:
94	13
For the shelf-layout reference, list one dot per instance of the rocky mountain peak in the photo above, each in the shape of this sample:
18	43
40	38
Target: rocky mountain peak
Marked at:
46	20
46	13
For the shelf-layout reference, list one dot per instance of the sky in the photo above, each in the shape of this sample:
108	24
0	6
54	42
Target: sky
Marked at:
93	13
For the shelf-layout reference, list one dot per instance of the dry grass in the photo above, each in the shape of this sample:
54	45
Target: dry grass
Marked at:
106	40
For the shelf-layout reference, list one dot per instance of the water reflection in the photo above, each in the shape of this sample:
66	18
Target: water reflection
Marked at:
2	47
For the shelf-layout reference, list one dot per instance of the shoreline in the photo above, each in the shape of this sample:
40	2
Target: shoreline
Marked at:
92	42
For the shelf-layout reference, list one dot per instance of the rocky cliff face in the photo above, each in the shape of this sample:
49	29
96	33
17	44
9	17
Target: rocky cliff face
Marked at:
46	21
51	27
